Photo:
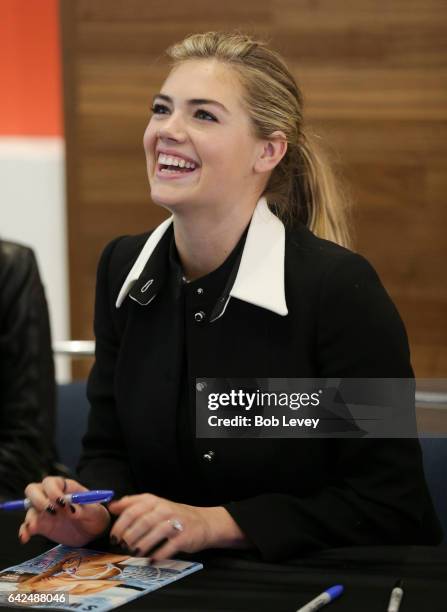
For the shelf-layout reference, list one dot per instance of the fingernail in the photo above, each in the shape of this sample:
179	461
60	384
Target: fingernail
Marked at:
51	509
60	501
72	508
113	540
135	552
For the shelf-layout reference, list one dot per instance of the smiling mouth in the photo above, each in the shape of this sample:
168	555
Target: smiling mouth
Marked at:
166	169
173	165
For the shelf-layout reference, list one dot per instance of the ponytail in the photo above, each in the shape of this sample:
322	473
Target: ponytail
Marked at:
322	199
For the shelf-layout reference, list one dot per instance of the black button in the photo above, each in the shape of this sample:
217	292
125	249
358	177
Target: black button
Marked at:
199	317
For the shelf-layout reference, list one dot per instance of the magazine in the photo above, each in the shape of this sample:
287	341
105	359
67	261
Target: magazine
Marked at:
80	579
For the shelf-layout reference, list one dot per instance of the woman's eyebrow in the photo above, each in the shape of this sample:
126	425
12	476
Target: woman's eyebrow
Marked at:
193	101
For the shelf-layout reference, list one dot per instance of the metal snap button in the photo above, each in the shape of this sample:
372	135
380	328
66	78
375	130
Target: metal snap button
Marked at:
209	456
200	290
199	316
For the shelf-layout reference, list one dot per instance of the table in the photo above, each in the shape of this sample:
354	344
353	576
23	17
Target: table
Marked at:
238	582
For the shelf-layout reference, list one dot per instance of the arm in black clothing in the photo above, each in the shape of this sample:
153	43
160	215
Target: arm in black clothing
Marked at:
104	462
378	493
27	387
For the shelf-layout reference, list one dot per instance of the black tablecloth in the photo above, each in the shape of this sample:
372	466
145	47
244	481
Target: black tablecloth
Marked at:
231	582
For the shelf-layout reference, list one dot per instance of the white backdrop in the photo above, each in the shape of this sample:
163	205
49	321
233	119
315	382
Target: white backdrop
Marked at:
32	211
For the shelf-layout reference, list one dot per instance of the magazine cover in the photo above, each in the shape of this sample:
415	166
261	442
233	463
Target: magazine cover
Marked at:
80	579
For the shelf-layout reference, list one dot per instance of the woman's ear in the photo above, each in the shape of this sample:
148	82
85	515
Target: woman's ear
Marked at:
272	151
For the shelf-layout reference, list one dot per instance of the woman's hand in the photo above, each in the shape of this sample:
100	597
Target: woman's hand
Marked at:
50	516
146	520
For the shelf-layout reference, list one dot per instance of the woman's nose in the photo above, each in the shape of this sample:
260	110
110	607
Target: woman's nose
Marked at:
173	128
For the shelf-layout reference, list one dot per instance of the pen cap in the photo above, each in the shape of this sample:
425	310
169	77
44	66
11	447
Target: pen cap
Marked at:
335	591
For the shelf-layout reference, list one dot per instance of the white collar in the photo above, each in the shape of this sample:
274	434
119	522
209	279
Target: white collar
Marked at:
260	278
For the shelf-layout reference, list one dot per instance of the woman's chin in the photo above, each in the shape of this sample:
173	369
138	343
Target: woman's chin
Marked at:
171	202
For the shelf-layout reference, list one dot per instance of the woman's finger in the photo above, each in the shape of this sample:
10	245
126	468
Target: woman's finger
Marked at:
141	527
117	507
169	549
156	537
31	517
24	536
56	487
43	495
49	494
39	499
129	516
75	510
29	526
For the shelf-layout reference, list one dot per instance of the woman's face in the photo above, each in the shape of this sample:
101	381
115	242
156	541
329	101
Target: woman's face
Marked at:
199	145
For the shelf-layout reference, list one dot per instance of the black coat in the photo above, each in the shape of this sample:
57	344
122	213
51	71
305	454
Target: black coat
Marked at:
27	386
325	314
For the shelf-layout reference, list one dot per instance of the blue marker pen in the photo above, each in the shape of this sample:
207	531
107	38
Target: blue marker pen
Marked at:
86	497
324	598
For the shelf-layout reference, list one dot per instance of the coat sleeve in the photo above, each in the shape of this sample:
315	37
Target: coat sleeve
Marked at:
104	461
27	386
378	493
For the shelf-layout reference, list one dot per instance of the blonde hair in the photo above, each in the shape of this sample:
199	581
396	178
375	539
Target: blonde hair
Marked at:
303	185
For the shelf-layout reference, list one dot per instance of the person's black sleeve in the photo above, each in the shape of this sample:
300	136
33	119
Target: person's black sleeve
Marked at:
104	461
27	386
378	493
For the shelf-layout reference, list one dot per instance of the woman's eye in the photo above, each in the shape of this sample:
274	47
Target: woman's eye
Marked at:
159	109
201	114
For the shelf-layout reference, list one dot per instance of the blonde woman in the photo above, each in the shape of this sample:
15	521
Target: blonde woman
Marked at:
77	575
249	277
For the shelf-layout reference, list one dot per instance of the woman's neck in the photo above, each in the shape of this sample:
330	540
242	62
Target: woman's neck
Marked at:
205	241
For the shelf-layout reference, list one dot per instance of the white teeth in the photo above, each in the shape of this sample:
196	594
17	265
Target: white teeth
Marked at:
169	160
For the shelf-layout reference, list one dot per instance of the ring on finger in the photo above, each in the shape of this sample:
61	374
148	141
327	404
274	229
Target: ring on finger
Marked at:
176	524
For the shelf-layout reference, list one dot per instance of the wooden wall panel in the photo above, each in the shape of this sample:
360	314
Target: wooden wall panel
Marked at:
374	76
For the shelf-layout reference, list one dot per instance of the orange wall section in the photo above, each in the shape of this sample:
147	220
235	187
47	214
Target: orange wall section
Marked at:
30	68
